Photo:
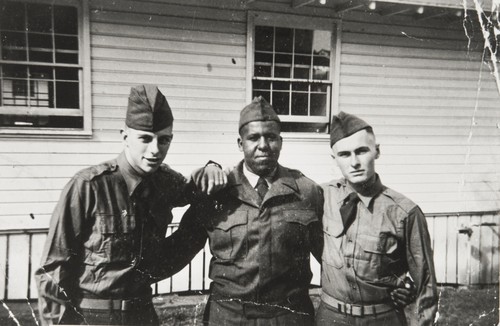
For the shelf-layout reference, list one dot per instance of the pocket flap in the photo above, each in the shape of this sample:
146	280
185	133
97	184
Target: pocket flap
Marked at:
369	243
301	216
112	223
226	222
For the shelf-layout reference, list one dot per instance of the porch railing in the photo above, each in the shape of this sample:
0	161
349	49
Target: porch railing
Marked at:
465	252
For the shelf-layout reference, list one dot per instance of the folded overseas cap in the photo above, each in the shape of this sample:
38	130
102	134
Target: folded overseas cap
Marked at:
258	110
344	125
148	109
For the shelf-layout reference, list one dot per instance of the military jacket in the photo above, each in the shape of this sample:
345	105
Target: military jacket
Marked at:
388	238
107	235
261	247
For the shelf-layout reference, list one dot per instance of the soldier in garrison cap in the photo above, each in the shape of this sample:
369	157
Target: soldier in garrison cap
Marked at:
262	228
106	242
375	240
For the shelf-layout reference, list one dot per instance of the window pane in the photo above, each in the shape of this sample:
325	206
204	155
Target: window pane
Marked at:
12	16
13	46
321	60
15	92
299	103
303	41
282	86
262	71
282	72
41	94
39	18
37	40
301	87
263	57
318	105
281	102
40	72
13	39
66	57
20	87
66	42
301	73
67	95
321	42
261	85
65	20
321	73
264	38
15	71
283	58
40	56
319	88
284	37
66	73
302	60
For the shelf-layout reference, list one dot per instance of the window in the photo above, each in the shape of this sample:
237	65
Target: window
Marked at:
293	69
42	73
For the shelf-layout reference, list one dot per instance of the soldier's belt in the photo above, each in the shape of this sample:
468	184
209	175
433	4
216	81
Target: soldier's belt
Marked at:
115	304
353	309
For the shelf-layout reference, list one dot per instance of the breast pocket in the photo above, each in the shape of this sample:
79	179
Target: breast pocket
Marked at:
228	235
291	233
332	254
381	254
117	241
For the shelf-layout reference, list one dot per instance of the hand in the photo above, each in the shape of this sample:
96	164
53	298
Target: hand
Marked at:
210	179
401	297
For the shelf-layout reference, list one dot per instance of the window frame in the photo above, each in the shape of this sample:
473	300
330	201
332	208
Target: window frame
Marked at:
84	111
292	21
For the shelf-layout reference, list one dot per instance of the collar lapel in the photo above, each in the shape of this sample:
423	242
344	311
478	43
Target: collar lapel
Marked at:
239	187
283	184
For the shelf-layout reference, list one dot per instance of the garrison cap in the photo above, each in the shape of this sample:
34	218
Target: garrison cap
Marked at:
258	110
344	125
148	109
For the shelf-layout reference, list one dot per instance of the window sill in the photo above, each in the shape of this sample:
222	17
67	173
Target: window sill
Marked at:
49	133
309	136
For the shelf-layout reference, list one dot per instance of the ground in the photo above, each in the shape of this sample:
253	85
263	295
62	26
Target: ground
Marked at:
458	306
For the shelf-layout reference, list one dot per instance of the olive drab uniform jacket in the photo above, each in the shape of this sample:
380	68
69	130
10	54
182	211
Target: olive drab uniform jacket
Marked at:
388	238
261	248
107	236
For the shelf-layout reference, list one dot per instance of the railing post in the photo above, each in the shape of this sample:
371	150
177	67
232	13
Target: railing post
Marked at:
6	290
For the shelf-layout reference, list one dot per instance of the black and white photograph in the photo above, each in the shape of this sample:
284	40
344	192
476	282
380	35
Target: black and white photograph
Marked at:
250	162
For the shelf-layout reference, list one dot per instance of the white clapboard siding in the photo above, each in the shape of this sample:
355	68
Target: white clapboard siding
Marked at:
433	105
419	83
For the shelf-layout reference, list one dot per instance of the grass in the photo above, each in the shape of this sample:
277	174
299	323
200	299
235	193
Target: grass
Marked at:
469	306
457	306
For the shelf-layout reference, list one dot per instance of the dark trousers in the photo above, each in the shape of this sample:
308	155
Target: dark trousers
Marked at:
146	316
221	313
327	316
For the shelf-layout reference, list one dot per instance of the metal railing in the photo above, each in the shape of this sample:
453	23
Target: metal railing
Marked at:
465	252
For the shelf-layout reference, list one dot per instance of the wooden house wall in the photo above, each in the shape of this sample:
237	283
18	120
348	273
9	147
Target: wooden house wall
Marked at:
433	104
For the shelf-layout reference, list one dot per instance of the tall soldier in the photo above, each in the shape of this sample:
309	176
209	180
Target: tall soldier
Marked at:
106	242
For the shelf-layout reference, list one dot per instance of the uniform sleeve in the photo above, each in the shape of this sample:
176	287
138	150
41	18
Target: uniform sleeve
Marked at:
421	267
187	189
182	246
316	229
56	278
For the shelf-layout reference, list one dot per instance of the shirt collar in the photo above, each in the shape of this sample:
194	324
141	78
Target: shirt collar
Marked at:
254	178
131	176
375	189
